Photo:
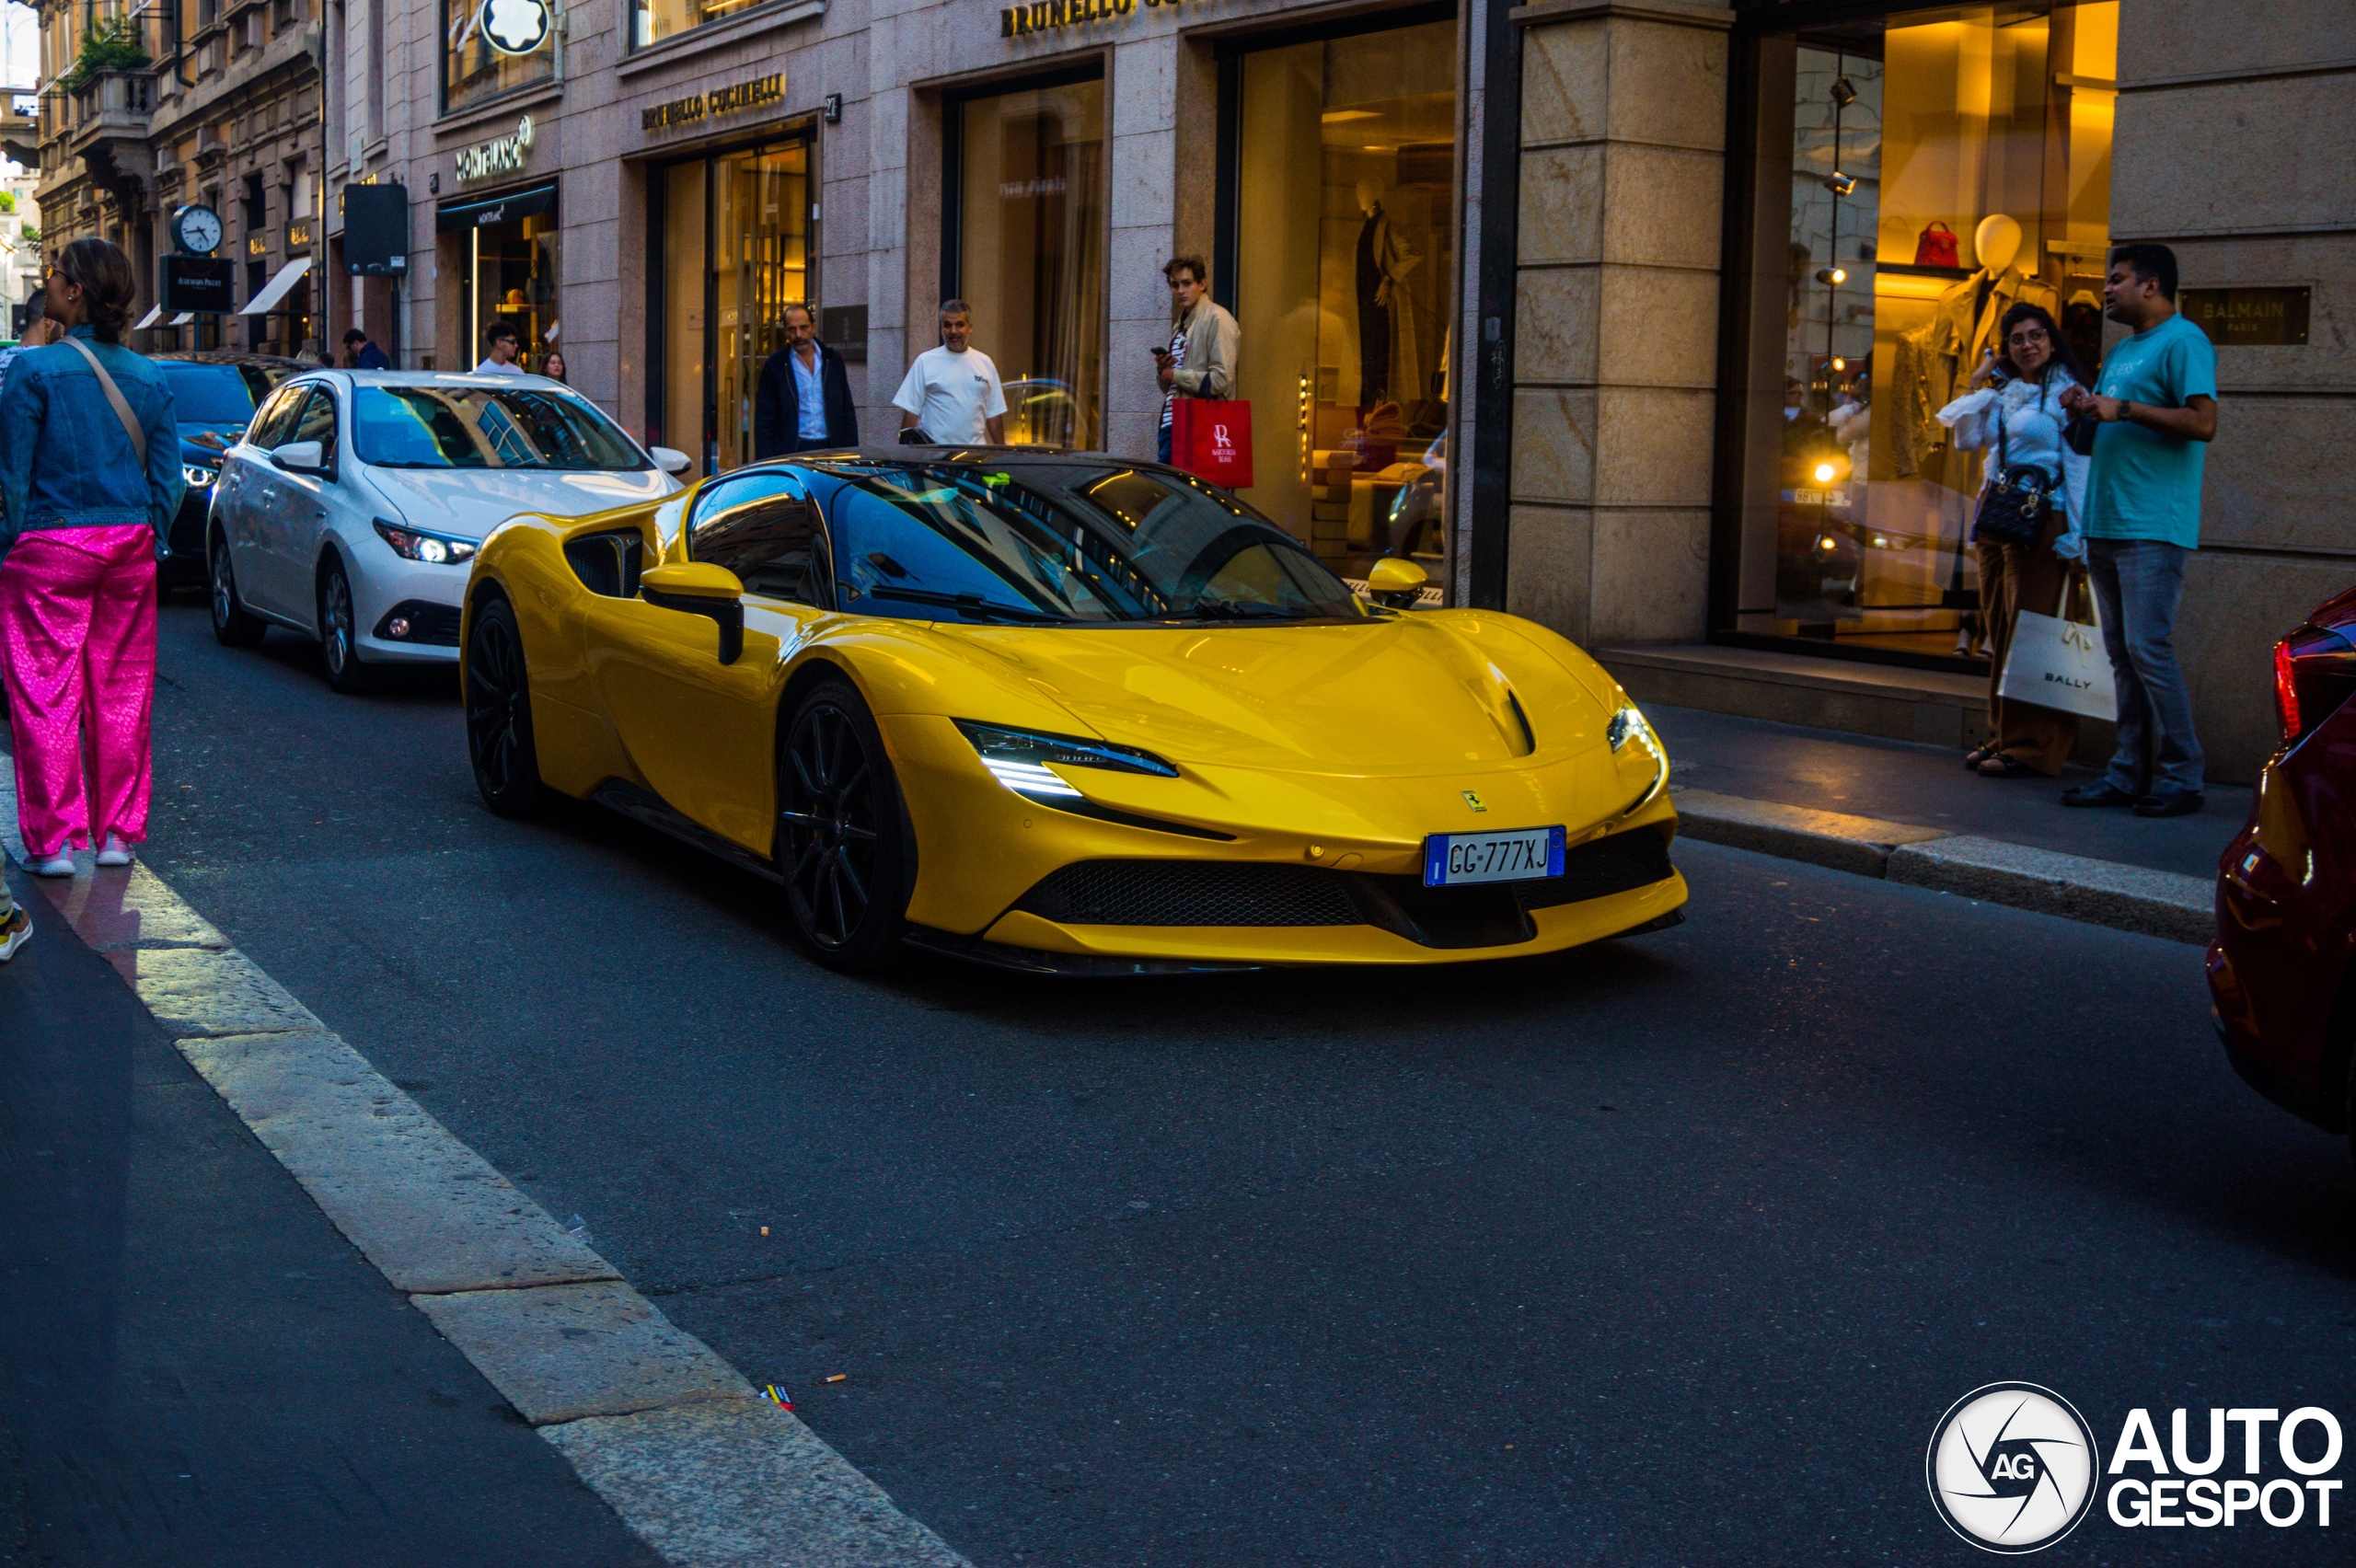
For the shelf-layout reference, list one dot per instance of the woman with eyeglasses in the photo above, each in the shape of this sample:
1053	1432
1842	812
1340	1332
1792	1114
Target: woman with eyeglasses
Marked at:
2013	412
90	481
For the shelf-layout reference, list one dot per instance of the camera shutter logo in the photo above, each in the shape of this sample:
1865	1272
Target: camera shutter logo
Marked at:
2012	1467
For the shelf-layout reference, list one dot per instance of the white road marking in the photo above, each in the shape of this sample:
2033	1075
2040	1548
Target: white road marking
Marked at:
652	1418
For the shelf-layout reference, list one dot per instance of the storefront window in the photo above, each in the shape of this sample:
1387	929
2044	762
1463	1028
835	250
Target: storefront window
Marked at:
510	270
1344	214
1031	256
490	47
1937	173
735	253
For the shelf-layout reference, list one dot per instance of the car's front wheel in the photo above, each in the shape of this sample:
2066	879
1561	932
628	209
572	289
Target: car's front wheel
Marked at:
498	712
839	839
339	633
234	626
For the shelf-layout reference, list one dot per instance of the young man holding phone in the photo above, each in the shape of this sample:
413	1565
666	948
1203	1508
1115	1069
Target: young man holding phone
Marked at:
1200	360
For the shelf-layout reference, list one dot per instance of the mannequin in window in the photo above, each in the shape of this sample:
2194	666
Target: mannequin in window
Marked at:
1383	263
1968	312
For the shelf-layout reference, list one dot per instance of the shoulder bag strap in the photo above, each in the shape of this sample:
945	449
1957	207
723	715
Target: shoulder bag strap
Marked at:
114	395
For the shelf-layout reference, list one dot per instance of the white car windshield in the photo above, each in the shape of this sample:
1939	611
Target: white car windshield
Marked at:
486	427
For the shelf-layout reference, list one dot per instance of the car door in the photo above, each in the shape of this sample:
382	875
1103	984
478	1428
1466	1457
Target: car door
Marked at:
299	516
703	733
248	493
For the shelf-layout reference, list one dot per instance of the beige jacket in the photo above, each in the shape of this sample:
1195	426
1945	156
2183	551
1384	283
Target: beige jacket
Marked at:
1213	340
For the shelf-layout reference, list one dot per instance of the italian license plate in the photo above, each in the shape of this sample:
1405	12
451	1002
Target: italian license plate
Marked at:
1520	855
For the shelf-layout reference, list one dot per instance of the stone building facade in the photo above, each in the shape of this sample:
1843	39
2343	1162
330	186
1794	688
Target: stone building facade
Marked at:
225	110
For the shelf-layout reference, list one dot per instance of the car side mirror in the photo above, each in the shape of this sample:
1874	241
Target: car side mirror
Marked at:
1396	584
301	457
699	588
670	459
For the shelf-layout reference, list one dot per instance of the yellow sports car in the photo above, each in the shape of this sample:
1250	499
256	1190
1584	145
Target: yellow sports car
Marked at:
1065	714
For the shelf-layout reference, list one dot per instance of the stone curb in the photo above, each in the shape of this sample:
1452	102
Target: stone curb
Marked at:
660	1426
2076	887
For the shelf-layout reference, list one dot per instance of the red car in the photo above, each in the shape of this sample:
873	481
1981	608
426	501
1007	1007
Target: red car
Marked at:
2279	968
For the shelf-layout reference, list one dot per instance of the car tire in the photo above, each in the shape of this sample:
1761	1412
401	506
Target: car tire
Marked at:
842	841
498	712
234	626
339	630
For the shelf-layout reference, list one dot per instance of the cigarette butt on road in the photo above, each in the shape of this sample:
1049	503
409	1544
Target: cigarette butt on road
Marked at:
765	1231
838	1376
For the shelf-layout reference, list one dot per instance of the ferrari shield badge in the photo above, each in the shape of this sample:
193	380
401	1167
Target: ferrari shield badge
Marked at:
1473	800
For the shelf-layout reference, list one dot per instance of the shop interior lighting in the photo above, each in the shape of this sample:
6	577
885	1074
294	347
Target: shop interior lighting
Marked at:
1840	184
1832	276
1842	93
1338	116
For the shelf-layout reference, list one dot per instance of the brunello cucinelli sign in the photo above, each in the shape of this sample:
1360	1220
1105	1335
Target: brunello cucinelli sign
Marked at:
735	98
1046	16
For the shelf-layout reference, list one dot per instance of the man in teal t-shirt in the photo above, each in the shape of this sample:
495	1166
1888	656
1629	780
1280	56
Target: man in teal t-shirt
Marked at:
2155	411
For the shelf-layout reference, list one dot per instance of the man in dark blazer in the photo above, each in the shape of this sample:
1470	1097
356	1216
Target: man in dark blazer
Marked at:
785	419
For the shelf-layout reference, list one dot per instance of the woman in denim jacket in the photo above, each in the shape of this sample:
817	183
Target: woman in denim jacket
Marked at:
82	522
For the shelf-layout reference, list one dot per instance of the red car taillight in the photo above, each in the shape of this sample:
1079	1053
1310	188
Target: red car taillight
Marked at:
2286	691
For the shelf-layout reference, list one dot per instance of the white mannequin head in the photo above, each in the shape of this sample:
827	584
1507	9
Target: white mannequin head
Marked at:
1997	242
1369	196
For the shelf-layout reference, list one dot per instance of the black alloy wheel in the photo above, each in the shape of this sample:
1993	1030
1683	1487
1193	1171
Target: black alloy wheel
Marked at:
234	626
339	638
498	712
839	838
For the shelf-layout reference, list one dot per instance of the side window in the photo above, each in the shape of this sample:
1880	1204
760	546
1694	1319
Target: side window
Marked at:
764	529
316	423
277	416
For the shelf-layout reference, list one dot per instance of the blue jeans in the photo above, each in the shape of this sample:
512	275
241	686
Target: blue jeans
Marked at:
2138	584
1162	445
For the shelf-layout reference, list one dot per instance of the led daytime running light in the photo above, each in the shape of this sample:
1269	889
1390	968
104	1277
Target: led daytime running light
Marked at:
1629	722
1033	750
434	549
196	478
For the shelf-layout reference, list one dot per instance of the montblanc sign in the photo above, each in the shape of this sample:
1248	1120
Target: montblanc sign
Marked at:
502	156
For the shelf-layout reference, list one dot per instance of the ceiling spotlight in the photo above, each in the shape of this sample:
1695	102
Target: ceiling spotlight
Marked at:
1840	184
1839	363
1842	93
1831	277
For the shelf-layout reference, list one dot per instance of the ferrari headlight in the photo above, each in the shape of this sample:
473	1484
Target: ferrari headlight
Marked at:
1628	724
434	550
196	478
1019	759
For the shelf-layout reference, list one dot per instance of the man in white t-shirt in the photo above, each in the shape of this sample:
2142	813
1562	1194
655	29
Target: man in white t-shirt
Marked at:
504	340
952	395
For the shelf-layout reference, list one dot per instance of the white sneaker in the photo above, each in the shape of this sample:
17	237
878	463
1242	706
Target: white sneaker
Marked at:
14	933
116	852
58	865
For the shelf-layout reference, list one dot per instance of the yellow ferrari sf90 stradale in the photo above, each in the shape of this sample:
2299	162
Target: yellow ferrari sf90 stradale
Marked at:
1065	714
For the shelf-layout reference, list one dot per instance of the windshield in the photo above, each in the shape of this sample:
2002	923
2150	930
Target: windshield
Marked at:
486	427
1040	544
208	393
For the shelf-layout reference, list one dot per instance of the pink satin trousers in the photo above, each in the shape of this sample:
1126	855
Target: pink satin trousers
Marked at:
77	646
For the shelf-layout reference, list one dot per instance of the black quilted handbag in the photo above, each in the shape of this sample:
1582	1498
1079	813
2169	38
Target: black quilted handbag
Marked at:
2011	510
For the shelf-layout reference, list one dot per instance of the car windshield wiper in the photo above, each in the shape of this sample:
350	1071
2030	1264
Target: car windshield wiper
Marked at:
971	603
1230	609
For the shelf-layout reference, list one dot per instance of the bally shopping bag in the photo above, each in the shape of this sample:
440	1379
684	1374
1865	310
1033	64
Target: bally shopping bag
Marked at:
1211	438
2059	663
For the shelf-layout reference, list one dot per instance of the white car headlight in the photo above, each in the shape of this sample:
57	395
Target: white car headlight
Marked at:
1629	724
434	549
196	478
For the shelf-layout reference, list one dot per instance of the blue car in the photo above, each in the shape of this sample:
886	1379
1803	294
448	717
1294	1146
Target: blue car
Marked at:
215	393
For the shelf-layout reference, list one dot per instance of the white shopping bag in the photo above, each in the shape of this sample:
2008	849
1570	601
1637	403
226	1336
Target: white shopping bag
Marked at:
2059	663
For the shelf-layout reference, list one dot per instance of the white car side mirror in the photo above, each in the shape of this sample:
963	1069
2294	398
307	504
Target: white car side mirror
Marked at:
670	459
300	457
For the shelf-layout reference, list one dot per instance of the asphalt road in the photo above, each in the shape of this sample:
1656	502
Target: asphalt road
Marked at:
1669	1251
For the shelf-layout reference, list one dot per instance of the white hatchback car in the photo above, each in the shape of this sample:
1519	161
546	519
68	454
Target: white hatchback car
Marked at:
351	508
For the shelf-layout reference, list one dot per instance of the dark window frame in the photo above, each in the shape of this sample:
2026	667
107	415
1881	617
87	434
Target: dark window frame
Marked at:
953	158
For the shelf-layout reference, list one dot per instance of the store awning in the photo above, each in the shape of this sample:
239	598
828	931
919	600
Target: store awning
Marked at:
534	203
148	319
182	319
278	288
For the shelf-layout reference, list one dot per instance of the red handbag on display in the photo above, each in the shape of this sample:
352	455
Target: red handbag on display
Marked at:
1211	438
1936	248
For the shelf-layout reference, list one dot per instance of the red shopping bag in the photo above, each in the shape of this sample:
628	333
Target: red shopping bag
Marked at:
1936	248
1211	438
